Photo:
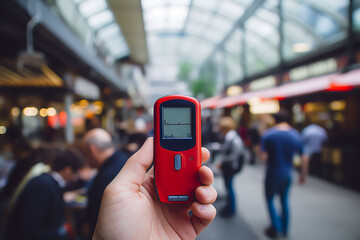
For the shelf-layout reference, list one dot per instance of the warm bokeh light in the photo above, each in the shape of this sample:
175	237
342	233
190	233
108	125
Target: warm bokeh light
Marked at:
84	103
89	114
15	111
97	110
98	107
309	107
99	104
51	111
42	112
254	100
338	105
262	107
2	129
119	102
234	90
30	111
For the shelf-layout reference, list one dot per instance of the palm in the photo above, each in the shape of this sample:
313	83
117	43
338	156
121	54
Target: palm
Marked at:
171	221
130	209
152	218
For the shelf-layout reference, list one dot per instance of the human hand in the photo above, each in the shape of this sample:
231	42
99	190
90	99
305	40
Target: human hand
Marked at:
130	208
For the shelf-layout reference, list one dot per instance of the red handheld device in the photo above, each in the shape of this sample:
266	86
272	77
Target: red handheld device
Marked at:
177	148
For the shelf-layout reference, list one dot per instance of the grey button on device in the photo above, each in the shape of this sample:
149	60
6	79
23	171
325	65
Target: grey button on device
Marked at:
173	198
183	198
177	161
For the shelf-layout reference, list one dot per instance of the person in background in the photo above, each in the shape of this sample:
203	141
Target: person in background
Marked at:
314	138
208	134
254	139
29	163
130	208
137	130
101	153
229	160
23	154
138	137
279	144
243	130
39	210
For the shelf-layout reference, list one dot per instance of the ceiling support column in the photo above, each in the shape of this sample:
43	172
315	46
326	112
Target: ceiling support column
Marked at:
69	129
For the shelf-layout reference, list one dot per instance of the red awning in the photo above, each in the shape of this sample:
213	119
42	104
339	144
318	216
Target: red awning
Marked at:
331	82
210	102
350	78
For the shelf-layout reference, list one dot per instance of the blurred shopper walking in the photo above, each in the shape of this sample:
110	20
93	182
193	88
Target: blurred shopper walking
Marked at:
279	144
230	160
38	212
254	138
101	153
314	138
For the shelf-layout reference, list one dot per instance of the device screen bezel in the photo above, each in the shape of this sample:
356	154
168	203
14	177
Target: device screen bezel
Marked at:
178	144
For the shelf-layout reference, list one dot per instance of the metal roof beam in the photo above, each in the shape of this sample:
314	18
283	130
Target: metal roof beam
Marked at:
247	14
187	17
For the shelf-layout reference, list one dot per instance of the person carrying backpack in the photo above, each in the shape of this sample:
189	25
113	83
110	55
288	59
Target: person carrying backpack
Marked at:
230	161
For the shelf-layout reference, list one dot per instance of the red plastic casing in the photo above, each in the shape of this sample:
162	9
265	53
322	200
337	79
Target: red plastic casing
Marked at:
168	181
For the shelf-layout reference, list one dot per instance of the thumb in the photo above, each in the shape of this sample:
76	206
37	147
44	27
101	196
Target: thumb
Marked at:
135	168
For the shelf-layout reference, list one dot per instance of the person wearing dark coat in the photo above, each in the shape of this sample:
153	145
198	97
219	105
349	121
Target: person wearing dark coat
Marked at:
39	210
101	154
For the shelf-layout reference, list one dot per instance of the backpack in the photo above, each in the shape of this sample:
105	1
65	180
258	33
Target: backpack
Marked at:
227	166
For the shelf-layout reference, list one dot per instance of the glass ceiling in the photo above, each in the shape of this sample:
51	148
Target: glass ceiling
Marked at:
187	30
97	26
246	34
247	31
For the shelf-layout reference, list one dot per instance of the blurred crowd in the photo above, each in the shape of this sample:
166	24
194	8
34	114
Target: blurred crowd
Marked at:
270	139
54	190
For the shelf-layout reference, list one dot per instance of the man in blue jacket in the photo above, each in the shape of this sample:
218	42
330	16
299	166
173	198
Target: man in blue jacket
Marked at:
279	144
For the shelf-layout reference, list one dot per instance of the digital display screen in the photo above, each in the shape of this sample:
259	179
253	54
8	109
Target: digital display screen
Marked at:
176	122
